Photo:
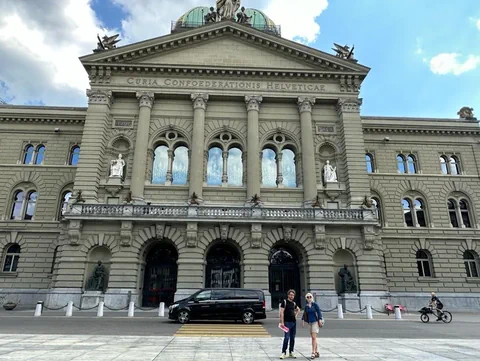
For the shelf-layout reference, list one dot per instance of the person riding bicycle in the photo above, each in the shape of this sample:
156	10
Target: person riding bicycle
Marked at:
436	305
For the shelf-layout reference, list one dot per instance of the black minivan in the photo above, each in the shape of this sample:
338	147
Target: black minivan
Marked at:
220	304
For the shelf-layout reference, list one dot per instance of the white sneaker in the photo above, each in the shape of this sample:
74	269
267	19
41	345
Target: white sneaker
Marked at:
292	355
283	356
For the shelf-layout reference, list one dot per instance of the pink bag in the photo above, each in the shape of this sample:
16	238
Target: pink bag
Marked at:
283	328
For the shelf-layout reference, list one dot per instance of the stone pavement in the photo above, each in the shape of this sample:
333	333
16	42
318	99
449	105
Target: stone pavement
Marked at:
168	348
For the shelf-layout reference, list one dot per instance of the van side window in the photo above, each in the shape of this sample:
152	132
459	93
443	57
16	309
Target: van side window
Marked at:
204	295
245	294
223	295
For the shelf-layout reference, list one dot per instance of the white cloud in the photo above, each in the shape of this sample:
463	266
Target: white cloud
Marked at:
448	63
40	41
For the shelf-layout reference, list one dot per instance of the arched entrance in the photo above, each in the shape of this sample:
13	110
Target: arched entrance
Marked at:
160	280
223	266
283	274
347	280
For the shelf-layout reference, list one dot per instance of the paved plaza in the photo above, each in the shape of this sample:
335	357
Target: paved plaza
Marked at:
167	348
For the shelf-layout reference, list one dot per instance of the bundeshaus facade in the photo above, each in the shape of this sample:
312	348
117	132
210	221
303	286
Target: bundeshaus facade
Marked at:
223	155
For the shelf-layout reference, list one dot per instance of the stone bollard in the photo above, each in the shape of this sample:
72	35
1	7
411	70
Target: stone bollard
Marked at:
69	309
131	309
340	311
100	309
38	309
398	314
161	309
369	312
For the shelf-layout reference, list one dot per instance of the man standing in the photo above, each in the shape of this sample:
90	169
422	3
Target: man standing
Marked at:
288	318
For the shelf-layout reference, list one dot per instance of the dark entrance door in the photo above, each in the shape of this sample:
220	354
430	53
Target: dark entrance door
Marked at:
283	274
223	267
160	282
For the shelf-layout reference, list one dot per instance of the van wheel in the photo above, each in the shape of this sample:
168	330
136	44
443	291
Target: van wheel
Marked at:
183	316
248	317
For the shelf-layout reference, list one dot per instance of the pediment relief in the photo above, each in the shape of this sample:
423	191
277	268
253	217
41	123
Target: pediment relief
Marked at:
244	45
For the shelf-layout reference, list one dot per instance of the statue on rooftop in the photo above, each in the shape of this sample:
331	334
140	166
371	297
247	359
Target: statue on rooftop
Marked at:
466	113
242	17
107	42
343	52
211	17
227	8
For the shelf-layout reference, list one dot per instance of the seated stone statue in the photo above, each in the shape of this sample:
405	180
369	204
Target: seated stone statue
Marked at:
347	281
211	17
97	281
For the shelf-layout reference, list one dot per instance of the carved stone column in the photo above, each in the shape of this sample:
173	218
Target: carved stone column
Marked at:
279	159
253	166
199	109
169	175
357	181
225	168
141	145
91	164
305	106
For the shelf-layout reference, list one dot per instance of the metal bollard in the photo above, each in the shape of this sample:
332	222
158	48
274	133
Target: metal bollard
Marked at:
369	312
69	309
398	314
131	309
340	311
38	309
161	309
100	309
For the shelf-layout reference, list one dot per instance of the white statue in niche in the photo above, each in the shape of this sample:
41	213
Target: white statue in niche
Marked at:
330	173
116	167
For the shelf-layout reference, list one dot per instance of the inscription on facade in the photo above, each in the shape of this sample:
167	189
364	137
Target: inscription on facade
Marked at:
123	123
226	84
321	129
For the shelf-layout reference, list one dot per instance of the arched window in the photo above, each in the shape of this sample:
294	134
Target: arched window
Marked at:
74	155
64	203
412	164
414	212
454	165
444	164
377	205
269	168
369	162
12	256
424	263
407	212
401	164
289	171
214	166
160	165
235	167
40	154
28	154
180	166
470	259
458	211
24	207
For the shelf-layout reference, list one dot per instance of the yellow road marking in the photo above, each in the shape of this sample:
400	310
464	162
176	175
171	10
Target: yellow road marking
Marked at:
220	330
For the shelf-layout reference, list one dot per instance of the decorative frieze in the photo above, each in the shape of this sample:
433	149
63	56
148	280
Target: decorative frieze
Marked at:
102	97
348	105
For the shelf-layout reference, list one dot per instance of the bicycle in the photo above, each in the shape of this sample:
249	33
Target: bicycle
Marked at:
446	316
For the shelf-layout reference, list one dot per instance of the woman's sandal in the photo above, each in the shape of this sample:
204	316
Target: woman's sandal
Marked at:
313	356
317	354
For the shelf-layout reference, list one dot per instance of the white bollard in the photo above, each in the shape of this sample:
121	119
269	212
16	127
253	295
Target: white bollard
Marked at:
161	309
398	314
100	309
38	309
69	309
369	312
131	309
340	311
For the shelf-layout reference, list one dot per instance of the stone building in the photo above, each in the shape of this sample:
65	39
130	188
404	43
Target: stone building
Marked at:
244	163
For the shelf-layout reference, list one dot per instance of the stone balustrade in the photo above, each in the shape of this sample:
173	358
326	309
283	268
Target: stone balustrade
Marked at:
230	214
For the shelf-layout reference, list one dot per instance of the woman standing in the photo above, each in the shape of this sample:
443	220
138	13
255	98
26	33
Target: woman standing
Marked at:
313	316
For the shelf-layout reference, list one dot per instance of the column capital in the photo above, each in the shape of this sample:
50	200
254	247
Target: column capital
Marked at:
305	104
199	100
104	97
253	102
349	105
146	99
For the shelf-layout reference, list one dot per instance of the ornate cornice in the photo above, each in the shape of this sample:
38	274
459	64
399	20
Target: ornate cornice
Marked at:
146	99
103	97
38	119
199	100
305	104
349	105
253	102
425	130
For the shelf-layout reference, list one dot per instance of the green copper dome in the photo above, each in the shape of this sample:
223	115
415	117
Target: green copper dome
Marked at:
194	18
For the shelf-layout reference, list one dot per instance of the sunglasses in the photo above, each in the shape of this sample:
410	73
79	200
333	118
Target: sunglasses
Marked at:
309	296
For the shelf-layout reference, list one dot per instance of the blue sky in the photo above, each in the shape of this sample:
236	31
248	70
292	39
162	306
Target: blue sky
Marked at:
424	54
